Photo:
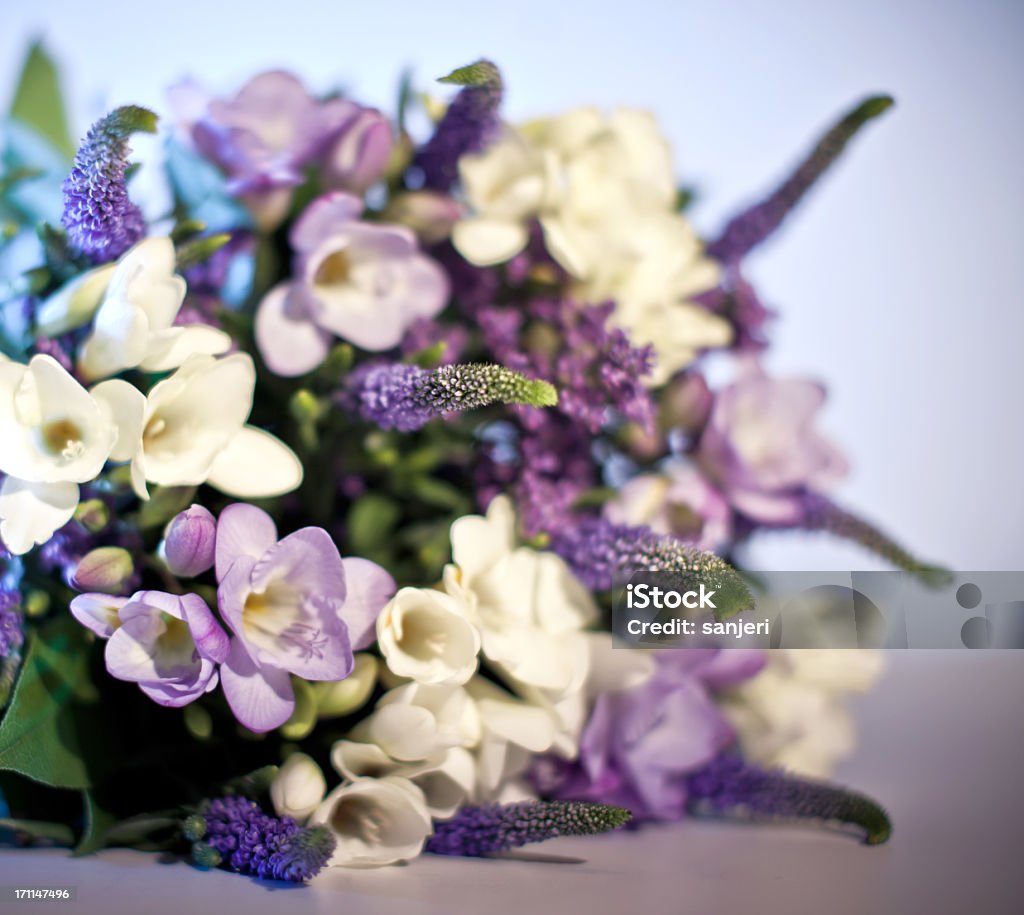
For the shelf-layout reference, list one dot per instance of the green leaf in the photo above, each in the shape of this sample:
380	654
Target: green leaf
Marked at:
370	522
39	103
39	829
98	823
38	735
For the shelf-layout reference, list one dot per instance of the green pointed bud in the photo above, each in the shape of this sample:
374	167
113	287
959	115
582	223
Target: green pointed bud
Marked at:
205	855
93	515
194	827
303	719
36	604
129	119
349	695
186	229
430	357
481	73
200	250
454	388
106	569
198	722
338	362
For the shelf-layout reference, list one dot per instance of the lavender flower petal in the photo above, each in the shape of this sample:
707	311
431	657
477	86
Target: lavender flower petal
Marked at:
748	229
477	831
468	125
102	222
729	786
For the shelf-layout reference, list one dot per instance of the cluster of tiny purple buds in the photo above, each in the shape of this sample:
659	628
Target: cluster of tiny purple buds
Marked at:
235	831
731	787
477	831
469	124
406	397
101	221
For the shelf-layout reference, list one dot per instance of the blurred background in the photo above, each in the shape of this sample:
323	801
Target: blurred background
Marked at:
898	283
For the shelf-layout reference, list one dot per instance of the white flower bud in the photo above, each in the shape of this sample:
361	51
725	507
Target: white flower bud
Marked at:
298	788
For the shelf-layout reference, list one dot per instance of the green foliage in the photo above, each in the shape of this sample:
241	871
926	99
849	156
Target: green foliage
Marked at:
39	103
39	735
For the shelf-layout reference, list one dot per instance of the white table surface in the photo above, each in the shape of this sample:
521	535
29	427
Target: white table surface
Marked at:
942	746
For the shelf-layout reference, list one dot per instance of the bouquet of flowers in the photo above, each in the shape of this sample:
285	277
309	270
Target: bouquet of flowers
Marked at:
317	479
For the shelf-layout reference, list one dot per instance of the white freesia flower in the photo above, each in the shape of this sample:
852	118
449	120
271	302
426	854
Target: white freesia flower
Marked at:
134	325
74	303
194	431
603	190
425	635
375	821
793	713
512	731
527	604
446	777
298	788
505	186
54	434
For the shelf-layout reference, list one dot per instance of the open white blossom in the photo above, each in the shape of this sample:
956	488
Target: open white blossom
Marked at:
603	190
426	635
528	606
793	713
375	821
134	324
194	431
54	434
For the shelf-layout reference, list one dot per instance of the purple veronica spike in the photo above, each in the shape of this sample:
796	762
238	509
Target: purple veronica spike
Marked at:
751	227
11	635
477	831
467	127
406	397
251	842
819	513
603	555
729	786
102	222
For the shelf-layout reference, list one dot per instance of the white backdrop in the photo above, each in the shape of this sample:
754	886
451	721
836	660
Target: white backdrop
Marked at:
899	283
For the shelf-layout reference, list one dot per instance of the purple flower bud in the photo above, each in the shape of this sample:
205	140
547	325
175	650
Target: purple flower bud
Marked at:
360	153
107	569
189	542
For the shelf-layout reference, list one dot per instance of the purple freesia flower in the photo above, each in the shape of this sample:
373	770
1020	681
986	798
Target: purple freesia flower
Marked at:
358	153
364	282
639	745
679	501
294	606
272	129
167	643
760	446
